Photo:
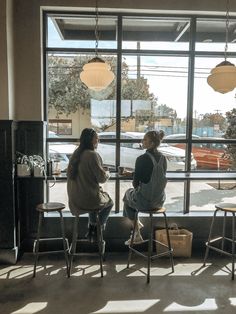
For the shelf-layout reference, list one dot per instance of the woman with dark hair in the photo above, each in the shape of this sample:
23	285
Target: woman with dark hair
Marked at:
85	172
149	181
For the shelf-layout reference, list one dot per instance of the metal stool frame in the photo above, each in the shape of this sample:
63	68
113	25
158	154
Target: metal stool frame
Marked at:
226	209
75	240
38	239
150	241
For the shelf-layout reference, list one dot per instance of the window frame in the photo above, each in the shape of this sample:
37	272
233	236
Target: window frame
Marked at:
187	175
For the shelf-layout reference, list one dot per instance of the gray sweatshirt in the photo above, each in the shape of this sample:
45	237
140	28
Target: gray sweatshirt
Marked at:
84	192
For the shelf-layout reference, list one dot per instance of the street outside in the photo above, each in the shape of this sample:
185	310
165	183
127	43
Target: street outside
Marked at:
203	195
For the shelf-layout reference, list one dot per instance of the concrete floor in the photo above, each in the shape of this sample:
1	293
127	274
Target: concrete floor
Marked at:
190	289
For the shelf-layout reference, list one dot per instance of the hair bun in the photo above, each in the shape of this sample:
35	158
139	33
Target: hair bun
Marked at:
161	134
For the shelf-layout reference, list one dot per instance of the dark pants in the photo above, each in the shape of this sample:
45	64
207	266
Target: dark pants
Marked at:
128	211
103	214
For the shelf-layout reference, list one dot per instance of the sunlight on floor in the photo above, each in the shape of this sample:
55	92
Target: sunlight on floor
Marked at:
82	270
232	301
207	305
31	308
18	272
187	269
224	271
128	306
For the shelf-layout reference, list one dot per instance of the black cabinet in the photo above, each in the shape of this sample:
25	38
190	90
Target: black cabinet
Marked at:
18	198
8	214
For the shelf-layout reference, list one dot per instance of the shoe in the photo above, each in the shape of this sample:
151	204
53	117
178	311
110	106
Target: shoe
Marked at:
103	248
138	239
91	235
140	225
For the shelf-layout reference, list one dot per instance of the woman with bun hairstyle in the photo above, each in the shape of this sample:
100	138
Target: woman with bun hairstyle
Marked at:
149	181
84	174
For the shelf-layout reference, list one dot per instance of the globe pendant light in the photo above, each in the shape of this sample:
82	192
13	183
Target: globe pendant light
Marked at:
223	77
96	74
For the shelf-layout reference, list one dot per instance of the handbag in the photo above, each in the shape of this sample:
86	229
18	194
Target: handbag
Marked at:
180	240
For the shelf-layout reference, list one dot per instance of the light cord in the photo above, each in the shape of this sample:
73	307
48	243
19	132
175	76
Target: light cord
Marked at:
226	29
96	29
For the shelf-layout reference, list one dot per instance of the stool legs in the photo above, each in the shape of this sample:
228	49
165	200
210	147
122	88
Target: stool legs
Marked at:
36	244
150	248
223	232
65	244
223	238
150	256
209	238
64	240
100	242
233	244
132	238
168	242
74	241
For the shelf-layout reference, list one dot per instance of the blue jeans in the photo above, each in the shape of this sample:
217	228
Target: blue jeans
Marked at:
103	214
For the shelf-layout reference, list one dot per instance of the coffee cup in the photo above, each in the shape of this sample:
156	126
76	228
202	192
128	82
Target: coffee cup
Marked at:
121	170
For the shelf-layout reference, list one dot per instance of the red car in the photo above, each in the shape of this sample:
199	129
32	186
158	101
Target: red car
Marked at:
209	156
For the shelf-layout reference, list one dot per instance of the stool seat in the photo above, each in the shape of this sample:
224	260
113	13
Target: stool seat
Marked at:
50	207
154	211
228	207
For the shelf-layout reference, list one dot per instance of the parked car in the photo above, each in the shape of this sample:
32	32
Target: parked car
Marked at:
130	151
61	158
209	156
60	152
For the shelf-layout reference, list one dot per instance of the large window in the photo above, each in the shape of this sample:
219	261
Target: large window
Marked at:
161	65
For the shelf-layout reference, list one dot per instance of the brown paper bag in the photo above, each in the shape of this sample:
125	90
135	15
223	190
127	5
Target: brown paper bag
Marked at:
180	239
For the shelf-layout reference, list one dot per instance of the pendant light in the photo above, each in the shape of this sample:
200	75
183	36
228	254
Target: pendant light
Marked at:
96	74
223	77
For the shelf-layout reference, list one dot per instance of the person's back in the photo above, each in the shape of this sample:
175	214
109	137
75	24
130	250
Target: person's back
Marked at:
84	192
85	172
152	194
148	190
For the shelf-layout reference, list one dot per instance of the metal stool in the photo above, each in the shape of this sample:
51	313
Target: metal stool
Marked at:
50	207
150	241
100	242
226	208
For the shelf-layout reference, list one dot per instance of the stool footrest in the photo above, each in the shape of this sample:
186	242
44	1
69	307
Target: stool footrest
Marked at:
218	239
219	250
51	252
153	256
50	239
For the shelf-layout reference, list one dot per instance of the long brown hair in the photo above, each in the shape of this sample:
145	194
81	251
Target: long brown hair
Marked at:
86	142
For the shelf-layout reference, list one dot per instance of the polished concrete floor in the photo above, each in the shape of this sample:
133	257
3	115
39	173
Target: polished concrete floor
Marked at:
190	289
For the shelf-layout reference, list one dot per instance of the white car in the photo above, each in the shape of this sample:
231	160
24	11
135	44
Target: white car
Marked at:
130	151
61	152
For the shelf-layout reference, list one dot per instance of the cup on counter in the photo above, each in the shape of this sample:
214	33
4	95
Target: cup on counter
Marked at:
121	170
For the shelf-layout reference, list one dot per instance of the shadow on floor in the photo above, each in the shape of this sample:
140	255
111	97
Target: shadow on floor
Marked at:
190	289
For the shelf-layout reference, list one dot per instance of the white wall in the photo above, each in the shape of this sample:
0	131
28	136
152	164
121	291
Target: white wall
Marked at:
6	61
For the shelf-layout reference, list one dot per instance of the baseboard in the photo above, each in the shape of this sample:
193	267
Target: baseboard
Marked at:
9	256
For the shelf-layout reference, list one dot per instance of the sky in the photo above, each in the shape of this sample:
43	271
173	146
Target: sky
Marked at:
167	76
